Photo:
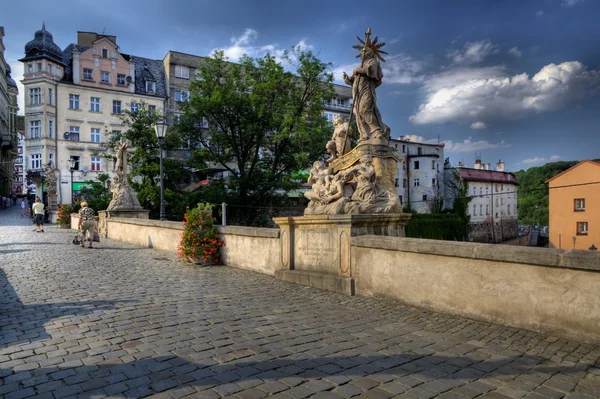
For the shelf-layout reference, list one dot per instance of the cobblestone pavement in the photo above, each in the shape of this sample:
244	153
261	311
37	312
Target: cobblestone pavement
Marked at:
125	321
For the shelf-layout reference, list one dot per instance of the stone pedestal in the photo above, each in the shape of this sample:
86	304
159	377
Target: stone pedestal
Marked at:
315	250
121	213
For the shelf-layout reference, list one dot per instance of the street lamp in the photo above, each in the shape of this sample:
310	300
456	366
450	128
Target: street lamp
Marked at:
161	130
71	162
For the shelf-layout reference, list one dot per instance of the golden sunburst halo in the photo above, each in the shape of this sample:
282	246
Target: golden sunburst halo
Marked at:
372	46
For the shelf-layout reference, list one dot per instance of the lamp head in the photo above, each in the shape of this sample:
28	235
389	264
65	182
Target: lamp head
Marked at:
71	163
160	127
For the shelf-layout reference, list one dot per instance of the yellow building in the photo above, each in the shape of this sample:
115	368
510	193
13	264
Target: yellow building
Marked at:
73	101
575	207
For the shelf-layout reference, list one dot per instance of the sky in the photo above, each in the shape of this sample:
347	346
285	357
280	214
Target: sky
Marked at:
512	80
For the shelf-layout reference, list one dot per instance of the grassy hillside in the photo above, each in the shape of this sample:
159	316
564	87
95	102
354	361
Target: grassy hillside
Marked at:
533	192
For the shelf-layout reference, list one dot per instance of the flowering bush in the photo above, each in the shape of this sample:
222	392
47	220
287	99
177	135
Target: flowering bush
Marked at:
63	217
200	238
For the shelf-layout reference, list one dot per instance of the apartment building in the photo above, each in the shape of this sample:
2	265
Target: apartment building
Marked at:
420	176
73	101
493	199
8	122
574	207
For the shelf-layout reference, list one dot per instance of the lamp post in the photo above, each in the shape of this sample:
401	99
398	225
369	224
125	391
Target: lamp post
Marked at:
71	162
160	128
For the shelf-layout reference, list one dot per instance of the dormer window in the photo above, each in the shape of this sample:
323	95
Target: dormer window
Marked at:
150	86
104	53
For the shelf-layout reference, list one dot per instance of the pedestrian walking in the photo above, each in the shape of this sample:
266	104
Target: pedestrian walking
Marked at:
87	224
38	211
23	208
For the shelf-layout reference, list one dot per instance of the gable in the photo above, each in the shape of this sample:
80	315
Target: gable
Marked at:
582	173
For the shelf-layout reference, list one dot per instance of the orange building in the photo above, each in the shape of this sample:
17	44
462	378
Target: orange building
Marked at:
575	207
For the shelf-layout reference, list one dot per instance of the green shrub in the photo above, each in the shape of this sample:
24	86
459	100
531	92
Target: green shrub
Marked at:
437	227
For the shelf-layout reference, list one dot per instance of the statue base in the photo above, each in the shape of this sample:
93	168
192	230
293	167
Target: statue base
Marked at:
121	213
316	250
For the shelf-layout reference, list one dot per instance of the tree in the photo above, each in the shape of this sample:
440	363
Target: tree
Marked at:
458	192
97	195
258	122
144	162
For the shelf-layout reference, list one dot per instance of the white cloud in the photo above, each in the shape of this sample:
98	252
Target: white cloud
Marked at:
571	3
402	69
473	52
516	52
478	125
244	44
469	145
540	160
539	13
17	74
469	95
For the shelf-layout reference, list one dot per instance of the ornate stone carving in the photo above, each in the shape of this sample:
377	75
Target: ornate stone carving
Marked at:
124	198
51	179
360	180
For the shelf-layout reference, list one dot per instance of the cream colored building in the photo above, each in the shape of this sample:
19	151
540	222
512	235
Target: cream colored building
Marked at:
73	101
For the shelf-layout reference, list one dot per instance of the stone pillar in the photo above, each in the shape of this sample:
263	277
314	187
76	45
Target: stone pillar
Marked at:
76	70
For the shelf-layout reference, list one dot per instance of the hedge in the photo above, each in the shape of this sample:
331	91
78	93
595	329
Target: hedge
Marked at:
448	227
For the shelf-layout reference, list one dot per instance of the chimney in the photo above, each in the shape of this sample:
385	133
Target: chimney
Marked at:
487	166
478	165
500	166
460	165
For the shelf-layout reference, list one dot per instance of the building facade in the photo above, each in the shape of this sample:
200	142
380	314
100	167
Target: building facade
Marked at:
574	207
8	123
420	176
493	199
73	104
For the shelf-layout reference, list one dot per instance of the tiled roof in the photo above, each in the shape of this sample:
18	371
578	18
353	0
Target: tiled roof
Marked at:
68	60
493	176
42	46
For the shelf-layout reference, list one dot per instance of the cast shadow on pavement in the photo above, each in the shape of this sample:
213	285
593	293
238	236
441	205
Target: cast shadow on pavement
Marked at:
300	374
24	323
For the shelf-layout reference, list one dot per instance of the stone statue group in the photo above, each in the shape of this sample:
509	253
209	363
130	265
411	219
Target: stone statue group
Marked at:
359	180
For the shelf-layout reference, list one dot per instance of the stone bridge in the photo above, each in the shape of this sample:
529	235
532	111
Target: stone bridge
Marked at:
126	321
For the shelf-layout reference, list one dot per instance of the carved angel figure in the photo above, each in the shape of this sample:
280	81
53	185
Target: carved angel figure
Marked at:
340	141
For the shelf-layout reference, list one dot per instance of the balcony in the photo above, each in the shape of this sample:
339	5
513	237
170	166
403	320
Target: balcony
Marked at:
337	107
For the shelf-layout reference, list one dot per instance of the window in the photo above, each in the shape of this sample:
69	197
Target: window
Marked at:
116	107
94	104
579	204
50	129
30	68
497	203
39	67
487	209
104	77
35	129
424	197
151	110
121	79
36	161
51	158
19	160
104	53
35	96
419	151
150	86
182	72
582	228
50	96
96	164
468	212
508	209
416	165
76	158
74	133
438	167
182	95
403	147
433	182
135	107
95	135
480	190
432	165
474	210
404	183
416	182
73	101
50	69
88	74
480	210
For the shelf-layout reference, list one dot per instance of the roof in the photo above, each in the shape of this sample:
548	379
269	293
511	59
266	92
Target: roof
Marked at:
68	59
492	176
42	46
573	167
